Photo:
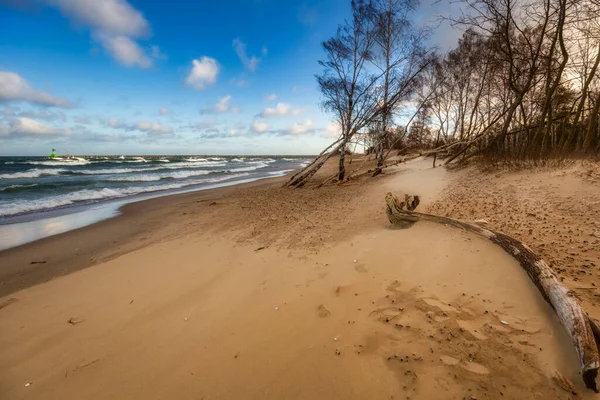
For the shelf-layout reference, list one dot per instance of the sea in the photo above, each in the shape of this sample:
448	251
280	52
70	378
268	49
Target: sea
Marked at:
38	188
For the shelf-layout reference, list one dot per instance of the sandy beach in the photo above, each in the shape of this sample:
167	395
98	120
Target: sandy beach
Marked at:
256	291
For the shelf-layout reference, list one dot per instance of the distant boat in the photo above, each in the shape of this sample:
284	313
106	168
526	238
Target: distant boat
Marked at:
54	157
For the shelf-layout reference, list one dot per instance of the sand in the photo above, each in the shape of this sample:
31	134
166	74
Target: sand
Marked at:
263	292
556	211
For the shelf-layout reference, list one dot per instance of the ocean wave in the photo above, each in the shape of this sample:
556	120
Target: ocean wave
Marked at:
88	195
51	163
17	188
280	173
158	177
182	165
195	159
32	173
237	159
246	169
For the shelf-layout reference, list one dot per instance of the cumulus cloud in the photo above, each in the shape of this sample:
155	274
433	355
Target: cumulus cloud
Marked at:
164	111
125	50
223	105
301	127
116	25
272	97
14	88
204	72
26	127
280	110
259	126
116	17
153	129
250	63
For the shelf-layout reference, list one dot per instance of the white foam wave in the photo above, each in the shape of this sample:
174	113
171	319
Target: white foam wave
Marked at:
280	173
101	194
51	163
158	177
32	173
180	165
16	187
252	168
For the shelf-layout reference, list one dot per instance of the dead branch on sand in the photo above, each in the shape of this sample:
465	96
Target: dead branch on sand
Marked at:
576	321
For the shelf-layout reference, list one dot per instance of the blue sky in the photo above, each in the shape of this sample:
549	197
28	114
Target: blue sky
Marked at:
177	77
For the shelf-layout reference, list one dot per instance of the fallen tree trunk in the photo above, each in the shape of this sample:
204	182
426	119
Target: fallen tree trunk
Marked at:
575	320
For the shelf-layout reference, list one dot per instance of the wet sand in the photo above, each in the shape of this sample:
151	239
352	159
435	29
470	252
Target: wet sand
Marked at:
263	292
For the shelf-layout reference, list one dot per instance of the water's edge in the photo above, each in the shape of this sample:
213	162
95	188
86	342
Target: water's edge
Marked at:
65	220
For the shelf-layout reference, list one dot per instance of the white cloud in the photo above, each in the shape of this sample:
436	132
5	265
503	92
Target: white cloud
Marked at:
204	72
300	128
153	128
27	127
116	25
251	63
264	51
116	17
332	130
280	110
223	104
272	97
14	88
165	111
125	50
260	126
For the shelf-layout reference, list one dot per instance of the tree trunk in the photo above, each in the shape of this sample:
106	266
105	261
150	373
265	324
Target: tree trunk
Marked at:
592	126
342	166
573	318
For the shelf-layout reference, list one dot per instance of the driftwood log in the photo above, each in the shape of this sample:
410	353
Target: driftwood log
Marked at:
578	324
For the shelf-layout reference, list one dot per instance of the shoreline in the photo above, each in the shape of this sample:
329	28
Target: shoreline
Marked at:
43	259
68	218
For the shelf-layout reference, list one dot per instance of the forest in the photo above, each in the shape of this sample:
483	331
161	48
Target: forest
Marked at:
521	86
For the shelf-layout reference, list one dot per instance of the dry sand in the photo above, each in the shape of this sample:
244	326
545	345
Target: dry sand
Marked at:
263	292
556	211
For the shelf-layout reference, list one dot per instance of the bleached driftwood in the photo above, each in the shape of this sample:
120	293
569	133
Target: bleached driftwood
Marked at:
574	319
